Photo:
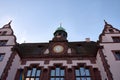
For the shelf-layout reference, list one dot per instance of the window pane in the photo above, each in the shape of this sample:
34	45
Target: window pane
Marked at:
117	55
1	57
32	79
62	72
87	72
62	79
111	30
116	39
38	73
77	72
29	73
3	33
52	72
82	71
82	74
37	79
57	74
88	78
57	78
83	78
77	78
57	71
52	78
3	42
33	71
27	79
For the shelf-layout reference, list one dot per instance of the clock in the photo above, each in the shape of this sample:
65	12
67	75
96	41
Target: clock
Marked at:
58	48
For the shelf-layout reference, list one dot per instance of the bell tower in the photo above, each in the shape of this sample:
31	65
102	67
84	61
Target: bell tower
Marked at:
60	34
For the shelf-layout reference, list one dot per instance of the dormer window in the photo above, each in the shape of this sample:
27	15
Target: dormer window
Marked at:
3	33
117	55
3	42
116	39
111	30
1	56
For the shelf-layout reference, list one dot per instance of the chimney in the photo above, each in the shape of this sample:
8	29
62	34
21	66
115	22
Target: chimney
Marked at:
87	39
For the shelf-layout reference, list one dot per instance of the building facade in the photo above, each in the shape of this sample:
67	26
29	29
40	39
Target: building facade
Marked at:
60	59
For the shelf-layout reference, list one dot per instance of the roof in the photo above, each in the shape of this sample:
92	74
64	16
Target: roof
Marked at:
60	28
38	49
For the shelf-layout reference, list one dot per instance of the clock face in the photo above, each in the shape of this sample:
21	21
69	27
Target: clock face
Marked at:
58	48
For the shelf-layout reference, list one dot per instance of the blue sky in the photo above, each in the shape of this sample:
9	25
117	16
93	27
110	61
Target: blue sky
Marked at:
36	20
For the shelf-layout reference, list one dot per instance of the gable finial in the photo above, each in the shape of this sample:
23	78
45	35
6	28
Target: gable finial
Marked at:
105	22
10	22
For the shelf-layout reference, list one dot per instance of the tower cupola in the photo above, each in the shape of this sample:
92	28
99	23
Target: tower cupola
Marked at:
60	32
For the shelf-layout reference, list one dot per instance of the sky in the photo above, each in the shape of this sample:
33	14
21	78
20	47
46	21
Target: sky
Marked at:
36	20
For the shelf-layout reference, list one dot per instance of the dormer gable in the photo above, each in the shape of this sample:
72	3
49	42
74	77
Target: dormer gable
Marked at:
108	28
108	32
6	30
7	35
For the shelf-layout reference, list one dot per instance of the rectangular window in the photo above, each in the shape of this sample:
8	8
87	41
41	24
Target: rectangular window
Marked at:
111	30
82	73
117	55
1	56
57	74
0	32
33	74
116	39
3	42
3	33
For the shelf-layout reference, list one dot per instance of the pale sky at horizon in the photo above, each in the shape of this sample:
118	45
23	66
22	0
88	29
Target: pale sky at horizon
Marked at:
36	21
